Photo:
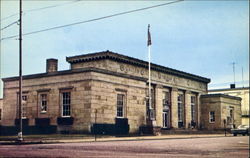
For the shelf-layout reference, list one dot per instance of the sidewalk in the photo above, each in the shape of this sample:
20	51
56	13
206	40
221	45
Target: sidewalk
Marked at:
47	139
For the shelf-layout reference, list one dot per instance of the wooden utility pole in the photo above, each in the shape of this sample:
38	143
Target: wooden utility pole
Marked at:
20	134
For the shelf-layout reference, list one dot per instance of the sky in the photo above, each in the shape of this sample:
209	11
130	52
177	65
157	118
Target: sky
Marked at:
198	37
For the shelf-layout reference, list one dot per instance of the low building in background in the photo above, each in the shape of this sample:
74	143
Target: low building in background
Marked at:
105	92
220	111
243	93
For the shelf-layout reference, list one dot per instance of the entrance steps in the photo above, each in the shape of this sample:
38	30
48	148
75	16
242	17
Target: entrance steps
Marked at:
190	131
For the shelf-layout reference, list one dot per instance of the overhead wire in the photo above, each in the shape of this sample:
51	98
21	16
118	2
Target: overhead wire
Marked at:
38	9
15	22
91	20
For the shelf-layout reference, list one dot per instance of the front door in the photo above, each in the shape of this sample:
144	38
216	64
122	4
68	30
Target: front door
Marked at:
166	119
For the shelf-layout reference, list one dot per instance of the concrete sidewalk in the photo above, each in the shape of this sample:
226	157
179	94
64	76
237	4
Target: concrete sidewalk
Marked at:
62	139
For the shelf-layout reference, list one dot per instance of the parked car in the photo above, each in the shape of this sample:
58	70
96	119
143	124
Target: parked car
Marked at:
241	129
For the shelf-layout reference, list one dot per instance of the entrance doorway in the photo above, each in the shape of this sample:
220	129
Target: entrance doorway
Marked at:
166	119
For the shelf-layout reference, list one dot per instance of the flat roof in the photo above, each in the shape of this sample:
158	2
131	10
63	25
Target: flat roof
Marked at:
228	89
111	56
220	95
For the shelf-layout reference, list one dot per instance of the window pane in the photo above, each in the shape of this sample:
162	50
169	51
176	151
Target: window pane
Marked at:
43	102
66	103
120	103
212	116
180	108
193	105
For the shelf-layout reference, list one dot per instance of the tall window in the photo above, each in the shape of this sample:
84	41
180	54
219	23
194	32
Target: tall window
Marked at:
180	110
65	96
166	100
24	105
43	102
0	114
230	117
211	116
120	105
193	103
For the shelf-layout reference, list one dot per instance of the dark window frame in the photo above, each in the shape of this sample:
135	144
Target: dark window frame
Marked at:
212	117
43	102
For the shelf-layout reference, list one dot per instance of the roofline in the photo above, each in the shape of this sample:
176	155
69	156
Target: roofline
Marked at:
220	95
66	72
227	89
133	61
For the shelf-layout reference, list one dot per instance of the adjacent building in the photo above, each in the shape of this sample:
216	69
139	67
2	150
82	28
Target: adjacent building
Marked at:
220	111
243	93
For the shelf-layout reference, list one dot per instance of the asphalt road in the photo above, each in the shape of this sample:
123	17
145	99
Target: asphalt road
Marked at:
228	147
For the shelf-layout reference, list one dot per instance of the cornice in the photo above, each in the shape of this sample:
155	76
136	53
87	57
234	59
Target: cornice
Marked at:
133	61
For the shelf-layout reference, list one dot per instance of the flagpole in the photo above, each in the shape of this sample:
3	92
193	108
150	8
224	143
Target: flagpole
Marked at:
149	77
149	74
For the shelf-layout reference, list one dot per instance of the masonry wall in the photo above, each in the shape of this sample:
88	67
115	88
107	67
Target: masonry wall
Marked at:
94	96
227	103
210	104
242	93
77	84
220	106
104	89
161	80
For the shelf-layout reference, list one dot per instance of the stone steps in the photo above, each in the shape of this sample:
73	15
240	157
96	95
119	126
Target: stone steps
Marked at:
190	131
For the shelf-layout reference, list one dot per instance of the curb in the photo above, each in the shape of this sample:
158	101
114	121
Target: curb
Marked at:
102	140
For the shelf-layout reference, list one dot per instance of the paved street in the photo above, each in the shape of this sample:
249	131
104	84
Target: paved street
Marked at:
230	147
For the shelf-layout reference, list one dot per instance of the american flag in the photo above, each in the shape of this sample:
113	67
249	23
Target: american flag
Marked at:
149	36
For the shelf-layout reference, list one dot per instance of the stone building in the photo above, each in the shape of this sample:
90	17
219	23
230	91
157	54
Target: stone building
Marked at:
106	90
220	111
243	93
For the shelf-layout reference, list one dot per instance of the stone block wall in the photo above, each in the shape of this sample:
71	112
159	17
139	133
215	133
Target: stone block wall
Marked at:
220	104
104	90
77	84
210	104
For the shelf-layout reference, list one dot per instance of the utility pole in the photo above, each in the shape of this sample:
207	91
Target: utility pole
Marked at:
20	134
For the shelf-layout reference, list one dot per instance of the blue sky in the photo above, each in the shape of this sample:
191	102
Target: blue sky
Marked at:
199	37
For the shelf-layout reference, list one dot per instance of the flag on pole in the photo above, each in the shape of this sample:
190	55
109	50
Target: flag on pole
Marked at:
149	36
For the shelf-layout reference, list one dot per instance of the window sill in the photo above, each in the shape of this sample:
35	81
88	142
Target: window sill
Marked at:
66	116
119	117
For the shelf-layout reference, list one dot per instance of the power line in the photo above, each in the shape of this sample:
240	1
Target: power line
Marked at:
9	25
37	9
91	20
